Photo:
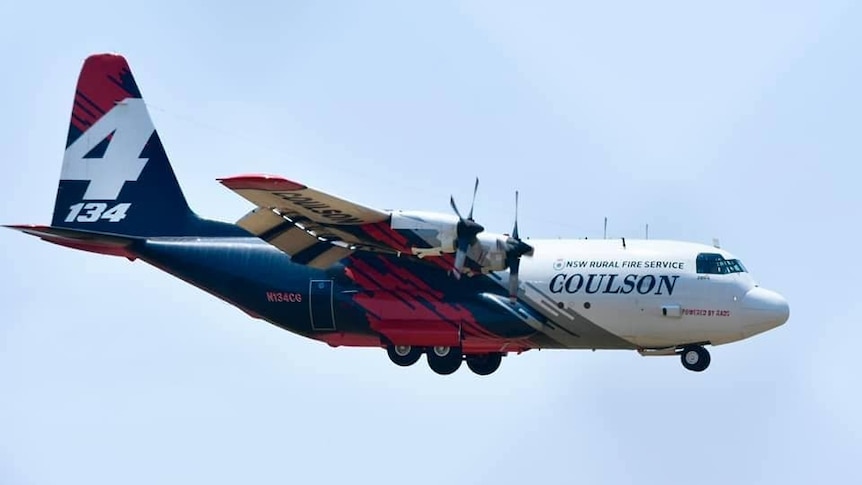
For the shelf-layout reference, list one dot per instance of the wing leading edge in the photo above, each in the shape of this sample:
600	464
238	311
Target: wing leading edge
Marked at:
301	203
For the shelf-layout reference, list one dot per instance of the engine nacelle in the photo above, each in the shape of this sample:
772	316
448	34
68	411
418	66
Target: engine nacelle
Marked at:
439	231
490	252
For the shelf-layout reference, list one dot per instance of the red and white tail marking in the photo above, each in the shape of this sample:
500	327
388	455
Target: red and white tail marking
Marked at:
126	128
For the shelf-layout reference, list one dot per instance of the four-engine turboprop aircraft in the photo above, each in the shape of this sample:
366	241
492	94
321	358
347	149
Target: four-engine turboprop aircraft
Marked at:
411	282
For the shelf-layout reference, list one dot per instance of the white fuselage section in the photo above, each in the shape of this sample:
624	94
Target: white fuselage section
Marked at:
612	293
652	294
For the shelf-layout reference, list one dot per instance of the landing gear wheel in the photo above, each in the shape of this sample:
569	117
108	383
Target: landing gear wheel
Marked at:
444	360
695	358
484	364
403	355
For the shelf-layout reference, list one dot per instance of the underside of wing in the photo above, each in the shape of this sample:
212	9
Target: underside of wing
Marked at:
313	227
302	246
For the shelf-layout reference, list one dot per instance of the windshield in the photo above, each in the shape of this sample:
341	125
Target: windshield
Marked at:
714	263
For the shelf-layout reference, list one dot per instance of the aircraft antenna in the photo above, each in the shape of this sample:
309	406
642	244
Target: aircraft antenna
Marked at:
646	231
606	227
624	243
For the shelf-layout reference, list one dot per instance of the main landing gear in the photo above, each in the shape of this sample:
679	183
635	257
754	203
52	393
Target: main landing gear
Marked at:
695	358
445	360
484	364
403	355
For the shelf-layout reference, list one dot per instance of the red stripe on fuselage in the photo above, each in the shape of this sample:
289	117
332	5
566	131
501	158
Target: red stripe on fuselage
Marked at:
399	295
338	339
450	311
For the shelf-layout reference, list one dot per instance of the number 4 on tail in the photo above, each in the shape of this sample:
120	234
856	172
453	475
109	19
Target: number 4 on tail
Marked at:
94	211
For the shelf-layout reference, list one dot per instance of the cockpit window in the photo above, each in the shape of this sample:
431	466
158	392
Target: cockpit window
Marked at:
735	266
714	263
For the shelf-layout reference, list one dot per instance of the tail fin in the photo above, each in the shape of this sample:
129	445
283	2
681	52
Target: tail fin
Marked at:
116	177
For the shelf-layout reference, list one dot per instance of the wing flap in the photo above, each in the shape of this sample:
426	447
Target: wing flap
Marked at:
303	248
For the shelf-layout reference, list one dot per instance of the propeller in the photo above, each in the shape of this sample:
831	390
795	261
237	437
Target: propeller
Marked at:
515	248
466	232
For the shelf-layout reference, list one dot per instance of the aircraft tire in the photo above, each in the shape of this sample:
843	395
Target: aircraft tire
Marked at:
403	355
444	360
484	364
695	358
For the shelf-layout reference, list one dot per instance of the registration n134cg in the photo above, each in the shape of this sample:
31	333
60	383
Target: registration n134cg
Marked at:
413	283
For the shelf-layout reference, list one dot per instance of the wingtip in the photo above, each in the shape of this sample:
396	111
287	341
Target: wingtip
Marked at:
260	182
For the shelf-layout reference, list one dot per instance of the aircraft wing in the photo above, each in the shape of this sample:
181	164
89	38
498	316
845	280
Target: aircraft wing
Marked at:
313	227
301	203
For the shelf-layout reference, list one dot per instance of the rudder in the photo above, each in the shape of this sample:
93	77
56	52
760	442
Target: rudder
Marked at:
116	177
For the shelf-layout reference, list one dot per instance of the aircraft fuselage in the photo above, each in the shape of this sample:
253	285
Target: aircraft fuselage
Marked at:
574	294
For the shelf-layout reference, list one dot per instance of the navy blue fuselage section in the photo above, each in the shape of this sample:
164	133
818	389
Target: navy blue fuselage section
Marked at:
263	281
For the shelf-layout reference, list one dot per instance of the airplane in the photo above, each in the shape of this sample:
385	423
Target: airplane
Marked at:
411	282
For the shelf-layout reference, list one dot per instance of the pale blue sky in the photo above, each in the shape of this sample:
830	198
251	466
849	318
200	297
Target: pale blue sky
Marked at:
738	120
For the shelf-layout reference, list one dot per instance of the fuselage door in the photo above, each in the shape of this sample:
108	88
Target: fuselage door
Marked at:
320	305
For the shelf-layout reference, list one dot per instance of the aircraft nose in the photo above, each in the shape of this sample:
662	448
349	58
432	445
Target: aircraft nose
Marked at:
767	308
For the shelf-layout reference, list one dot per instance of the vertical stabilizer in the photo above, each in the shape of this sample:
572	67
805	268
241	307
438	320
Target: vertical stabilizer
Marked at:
116	177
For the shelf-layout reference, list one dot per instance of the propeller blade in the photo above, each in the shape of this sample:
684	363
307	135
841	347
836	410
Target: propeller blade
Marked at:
461	255
455	207
463	245
475	189
460	258
513	278
515	230
466	232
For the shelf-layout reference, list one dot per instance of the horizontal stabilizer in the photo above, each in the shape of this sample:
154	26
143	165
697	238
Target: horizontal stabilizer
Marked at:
93	242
